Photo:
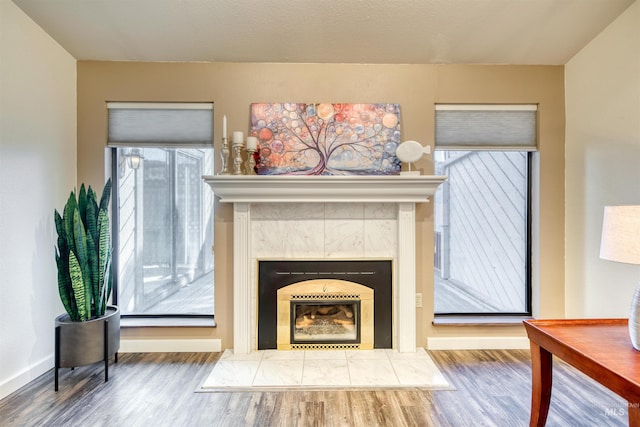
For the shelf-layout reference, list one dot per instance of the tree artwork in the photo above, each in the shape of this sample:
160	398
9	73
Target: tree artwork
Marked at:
326	139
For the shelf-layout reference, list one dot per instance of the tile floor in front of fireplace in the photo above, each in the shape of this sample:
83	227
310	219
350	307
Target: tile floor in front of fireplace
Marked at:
325	368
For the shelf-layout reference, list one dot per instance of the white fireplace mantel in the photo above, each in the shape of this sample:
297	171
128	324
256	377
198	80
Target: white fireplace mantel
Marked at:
324	189
245	190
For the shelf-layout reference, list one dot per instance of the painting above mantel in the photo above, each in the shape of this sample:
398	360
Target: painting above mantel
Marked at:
326	139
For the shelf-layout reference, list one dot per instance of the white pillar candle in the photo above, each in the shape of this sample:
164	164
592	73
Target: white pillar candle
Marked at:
238	138
224	126
252	143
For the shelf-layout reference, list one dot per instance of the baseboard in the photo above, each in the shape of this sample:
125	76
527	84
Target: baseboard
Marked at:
26	376
169	345
478	343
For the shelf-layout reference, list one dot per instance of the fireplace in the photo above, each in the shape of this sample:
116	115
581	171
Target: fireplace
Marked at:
324	218
325	314
310	321
325	304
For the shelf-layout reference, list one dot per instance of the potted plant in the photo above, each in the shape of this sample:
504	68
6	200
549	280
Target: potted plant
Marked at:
89	332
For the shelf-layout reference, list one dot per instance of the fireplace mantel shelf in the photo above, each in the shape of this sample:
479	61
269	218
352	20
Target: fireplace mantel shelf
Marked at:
323	189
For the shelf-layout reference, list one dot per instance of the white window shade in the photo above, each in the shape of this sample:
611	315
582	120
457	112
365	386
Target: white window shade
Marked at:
486	127
160	124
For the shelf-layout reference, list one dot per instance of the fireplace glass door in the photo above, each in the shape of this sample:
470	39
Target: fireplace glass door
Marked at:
329	322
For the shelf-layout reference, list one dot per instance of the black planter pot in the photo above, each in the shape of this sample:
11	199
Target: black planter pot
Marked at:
84	343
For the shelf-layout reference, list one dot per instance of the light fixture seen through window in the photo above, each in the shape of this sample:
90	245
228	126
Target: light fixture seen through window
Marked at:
134	158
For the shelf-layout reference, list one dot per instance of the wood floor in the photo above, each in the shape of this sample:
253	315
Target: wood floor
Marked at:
492	388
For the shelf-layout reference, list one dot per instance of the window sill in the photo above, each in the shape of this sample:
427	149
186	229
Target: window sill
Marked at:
479	320
167	322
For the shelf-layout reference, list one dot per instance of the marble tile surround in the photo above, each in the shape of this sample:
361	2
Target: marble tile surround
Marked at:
320	231
324	369
324	230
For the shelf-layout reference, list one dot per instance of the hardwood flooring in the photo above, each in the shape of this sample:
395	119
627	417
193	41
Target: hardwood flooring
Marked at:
158	389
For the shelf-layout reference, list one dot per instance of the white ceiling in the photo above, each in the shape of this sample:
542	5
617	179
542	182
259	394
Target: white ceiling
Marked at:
334	31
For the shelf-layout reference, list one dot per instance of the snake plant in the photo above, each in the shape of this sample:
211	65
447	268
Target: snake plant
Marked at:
83	253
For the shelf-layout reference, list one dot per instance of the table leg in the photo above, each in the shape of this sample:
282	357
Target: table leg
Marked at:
541	376
634	414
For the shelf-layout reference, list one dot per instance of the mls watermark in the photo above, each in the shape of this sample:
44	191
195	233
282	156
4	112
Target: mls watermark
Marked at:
620	410
614	412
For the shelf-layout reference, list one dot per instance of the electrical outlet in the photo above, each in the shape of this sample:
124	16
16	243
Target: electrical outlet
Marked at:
418	300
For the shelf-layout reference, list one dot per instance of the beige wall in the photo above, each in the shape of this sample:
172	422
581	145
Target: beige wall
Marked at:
233	86
37	172
603	163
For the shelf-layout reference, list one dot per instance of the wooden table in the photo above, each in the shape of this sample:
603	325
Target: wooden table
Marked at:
600	348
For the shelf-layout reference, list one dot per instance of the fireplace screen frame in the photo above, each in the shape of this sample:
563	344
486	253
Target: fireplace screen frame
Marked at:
274	274
324	289
323	302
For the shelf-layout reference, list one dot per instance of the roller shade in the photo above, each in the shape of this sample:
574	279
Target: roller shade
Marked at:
486	127
160	124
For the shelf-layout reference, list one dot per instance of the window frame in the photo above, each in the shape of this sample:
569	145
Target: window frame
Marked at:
528	312
167	319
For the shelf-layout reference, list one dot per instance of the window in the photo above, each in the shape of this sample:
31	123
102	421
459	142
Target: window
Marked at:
163	210
482	212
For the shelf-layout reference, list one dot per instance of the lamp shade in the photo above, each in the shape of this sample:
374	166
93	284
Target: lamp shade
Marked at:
621	234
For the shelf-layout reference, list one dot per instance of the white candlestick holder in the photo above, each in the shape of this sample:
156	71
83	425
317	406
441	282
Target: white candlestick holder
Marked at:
251	162
237	159
225	157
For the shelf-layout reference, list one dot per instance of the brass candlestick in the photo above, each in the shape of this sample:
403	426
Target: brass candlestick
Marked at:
237	159
225	157
251	162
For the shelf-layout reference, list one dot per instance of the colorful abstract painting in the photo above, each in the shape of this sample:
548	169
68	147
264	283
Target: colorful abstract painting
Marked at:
326	139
